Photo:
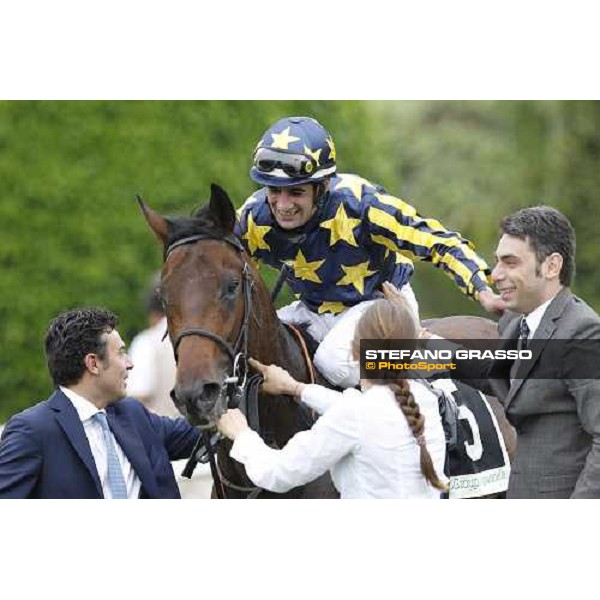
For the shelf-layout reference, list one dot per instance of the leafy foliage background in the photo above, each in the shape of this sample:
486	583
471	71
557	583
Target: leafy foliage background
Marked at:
72	234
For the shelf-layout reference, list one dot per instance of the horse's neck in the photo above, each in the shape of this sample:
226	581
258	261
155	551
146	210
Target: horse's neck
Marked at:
271	342
293	358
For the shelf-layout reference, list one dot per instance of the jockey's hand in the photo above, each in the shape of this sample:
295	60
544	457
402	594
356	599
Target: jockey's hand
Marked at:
491	302
232	423
277	380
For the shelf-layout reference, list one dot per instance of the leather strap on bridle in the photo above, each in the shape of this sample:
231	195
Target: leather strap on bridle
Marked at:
214	469
309	364
230	239
207	334
252	491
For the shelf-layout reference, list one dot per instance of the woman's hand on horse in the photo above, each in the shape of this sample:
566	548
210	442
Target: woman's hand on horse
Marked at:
277	380
232	423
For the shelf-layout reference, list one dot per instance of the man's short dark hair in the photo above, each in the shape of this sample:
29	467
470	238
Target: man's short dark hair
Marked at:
548	231
73	335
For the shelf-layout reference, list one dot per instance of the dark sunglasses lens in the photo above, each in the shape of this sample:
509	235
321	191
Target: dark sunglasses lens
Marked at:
265	165
291	170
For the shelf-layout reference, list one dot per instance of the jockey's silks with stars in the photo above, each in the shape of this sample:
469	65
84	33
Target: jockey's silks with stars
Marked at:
359	237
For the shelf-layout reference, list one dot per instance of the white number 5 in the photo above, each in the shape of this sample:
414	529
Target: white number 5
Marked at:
474	450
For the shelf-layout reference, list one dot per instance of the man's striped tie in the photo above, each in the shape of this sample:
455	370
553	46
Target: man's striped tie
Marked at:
116	481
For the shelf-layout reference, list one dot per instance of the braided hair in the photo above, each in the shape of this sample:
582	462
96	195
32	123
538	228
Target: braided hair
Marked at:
387	320
416	421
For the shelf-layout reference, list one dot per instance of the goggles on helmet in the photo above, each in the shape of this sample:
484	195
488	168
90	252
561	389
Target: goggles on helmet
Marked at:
293	165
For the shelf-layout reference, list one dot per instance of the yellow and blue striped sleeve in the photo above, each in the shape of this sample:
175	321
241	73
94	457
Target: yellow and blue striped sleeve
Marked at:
396	225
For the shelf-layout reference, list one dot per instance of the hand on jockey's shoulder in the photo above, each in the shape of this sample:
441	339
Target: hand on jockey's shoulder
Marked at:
232	423
491	302
391	292
277	380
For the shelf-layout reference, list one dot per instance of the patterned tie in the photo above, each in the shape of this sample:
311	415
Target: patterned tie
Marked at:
116	481
521	345
523	334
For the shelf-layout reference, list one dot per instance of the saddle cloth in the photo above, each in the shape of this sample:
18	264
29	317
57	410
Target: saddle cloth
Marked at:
477	462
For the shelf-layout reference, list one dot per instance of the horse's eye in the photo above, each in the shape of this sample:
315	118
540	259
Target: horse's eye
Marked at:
232	287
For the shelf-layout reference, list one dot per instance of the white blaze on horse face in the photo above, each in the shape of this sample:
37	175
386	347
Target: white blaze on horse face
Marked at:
292	206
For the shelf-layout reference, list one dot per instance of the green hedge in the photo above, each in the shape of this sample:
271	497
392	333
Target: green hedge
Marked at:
471	163
72	233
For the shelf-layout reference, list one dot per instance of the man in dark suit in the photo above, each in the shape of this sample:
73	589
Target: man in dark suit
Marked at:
553	403
87	440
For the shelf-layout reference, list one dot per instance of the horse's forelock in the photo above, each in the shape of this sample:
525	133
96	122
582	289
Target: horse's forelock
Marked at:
201	221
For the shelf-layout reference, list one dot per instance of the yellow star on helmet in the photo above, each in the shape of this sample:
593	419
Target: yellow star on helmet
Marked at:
331	307
305	270
315	154
283	140
341	227
256	236
332	153
356	275
354	183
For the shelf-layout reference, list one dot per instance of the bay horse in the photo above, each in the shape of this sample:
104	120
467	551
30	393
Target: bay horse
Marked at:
216	303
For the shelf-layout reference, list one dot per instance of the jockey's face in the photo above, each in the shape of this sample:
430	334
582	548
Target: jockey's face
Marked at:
292	206
523	282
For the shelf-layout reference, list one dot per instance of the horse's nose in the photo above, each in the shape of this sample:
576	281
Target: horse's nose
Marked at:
197	399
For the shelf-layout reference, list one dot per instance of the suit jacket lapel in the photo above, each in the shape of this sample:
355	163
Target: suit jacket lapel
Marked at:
69	421
543	333
134	449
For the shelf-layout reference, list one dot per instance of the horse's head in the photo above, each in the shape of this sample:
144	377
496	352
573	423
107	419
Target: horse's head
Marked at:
204	288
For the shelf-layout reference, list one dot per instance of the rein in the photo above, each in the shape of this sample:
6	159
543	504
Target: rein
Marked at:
309	363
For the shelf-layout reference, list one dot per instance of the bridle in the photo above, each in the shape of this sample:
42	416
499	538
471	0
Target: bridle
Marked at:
238	389
242	340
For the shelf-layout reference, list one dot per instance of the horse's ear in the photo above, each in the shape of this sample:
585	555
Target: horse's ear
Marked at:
157	223
222	208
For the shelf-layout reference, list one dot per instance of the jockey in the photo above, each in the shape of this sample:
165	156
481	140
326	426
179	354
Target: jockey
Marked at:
338	237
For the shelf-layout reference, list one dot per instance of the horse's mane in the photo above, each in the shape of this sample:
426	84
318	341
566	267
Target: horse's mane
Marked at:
200	221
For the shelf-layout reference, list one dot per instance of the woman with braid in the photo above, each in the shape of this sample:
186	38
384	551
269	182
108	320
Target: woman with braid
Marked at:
385	441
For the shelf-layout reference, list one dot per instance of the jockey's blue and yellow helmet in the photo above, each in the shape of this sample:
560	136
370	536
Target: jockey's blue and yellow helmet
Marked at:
294	151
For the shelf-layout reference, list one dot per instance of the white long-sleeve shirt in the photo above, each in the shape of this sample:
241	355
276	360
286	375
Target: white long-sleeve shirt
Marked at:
363	438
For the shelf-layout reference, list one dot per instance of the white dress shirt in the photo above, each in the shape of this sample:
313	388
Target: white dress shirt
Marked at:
86	410
534	318
363	438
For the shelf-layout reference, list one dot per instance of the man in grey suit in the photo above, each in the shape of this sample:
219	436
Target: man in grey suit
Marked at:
557	420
